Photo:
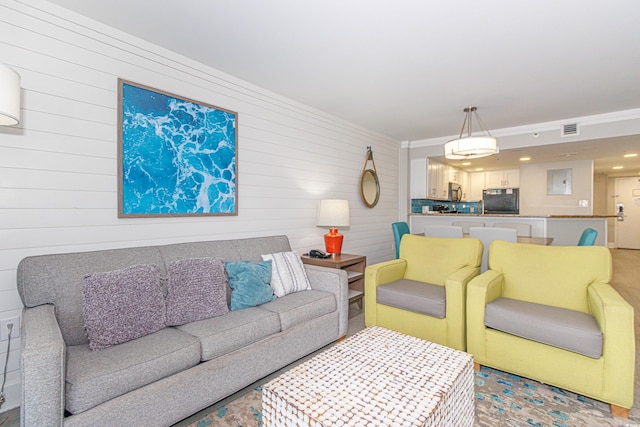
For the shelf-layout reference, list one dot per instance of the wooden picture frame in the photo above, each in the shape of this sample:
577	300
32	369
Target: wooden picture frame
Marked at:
176	156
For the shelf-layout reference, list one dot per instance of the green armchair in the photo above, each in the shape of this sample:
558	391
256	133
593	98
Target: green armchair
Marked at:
423	292
557	288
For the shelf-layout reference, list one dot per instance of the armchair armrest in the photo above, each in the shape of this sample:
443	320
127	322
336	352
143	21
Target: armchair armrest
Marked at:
42	365
376	275
616	320
335	281
481	290
456	300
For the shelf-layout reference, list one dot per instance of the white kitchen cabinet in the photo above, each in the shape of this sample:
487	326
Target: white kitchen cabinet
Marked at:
434	170
418	183
508	178
437	180
476	185
443	181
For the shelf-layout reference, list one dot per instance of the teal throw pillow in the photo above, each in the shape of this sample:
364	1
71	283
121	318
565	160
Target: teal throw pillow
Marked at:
249	282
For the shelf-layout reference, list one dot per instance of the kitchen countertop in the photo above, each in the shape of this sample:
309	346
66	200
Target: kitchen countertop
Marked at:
514	215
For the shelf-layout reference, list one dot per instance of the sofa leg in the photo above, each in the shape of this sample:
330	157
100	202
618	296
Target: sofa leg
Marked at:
341	338
476	366
619	411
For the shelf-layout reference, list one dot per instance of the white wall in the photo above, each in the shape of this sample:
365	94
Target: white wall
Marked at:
533	184
58	177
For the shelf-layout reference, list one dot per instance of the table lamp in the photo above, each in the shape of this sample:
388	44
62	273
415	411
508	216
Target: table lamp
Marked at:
9	96
333	213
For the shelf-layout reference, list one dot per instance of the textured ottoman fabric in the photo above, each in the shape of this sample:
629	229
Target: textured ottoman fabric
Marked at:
237	329
568	329
300	307
415	296
94	377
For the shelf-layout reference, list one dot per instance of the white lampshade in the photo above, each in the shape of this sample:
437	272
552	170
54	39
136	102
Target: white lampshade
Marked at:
471	147
9	96
333	213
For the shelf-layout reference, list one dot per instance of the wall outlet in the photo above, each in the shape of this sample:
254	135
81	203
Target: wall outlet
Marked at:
4	331
583	203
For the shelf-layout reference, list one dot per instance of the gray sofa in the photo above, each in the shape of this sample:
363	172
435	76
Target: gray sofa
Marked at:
164	377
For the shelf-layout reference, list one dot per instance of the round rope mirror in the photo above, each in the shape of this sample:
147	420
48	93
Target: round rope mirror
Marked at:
369	182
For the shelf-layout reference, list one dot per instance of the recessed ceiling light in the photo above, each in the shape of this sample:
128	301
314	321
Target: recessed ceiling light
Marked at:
466	163
618	167
631	154
524	159
479	169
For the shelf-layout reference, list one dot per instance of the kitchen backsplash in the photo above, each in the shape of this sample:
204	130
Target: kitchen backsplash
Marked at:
439	205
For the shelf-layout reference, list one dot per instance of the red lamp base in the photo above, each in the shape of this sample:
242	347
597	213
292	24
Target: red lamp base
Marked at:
333	241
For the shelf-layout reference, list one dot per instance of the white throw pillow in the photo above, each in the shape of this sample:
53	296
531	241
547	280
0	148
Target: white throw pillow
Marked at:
287	273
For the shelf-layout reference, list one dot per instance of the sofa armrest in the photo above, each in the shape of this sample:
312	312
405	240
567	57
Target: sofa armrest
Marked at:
376	275
335	281
616	320
481	290
42	365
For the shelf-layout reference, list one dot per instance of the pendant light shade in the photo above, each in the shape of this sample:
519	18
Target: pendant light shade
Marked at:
9	96
469	146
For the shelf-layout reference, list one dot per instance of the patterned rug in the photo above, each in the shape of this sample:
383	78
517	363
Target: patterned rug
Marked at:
502	399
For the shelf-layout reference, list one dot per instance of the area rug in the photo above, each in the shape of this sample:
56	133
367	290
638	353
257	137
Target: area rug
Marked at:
502	399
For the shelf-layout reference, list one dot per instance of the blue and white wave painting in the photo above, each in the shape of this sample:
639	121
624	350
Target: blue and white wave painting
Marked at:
178	157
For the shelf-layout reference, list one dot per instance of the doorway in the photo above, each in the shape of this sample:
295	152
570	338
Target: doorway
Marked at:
628	196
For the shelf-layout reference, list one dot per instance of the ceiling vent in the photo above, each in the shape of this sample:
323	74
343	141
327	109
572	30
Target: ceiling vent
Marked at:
570	129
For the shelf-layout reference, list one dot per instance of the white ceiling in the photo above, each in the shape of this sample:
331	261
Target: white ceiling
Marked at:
407	68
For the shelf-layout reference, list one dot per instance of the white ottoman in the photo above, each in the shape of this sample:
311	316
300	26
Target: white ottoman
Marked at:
377	377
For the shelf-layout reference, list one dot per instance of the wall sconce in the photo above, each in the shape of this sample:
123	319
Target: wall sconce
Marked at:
333	213
9	96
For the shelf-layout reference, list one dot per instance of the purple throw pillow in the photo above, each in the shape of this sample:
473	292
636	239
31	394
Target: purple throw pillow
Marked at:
122	305
196	290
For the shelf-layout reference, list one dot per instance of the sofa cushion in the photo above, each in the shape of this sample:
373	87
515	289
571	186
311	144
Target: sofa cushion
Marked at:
122	305
287	273
249	282
567	329
196	290
224	334
301	307
94	377
412	295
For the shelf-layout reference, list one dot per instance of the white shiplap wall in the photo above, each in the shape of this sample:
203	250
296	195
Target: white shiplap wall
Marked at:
58	168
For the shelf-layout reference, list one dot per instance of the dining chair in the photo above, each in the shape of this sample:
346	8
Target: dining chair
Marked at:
443	231
488	235
467	224
399	230
588	237
523	230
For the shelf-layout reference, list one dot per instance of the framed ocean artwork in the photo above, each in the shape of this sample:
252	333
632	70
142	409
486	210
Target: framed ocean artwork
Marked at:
176	156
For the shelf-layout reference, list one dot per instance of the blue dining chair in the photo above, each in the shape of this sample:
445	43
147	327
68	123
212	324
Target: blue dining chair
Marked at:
588	237
399	230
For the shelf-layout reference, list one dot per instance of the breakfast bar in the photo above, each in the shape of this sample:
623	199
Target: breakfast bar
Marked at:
564	229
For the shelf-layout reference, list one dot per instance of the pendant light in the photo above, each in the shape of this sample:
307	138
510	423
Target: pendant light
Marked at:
469	146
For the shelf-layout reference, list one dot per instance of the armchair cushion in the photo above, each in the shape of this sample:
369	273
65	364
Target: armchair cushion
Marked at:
415	296
559	327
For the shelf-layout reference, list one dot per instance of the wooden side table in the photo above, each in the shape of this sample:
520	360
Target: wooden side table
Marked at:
354	265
